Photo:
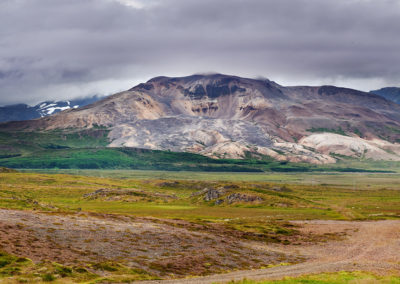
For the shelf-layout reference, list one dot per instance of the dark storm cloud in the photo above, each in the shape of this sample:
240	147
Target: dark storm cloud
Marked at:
64	48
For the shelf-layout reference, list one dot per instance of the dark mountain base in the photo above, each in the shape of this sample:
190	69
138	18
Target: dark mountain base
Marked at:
86	149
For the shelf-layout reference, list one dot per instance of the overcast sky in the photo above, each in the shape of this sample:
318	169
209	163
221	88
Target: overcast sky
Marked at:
58	49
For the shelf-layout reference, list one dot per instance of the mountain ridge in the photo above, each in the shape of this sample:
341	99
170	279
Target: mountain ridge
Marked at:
18	112
389	93
225	116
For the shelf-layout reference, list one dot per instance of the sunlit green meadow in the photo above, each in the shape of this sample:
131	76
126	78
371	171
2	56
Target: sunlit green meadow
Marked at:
310	196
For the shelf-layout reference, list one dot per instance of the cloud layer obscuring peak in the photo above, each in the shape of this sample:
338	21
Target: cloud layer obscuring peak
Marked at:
67	48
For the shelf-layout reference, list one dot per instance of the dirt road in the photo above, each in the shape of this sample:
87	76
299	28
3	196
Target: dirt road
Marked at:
369	246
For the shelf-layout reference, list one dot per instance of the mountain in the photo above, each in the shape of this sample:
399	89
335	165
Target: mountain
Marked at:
25	112
224	116
389	93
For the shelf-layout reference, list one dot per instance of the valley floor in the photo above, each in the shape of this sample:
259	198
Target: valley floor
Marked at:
69	228
153	248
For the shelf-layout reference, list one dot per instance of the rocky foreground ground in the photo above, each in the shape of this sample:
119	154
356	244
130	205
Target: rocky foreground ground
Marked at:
371	246
177	249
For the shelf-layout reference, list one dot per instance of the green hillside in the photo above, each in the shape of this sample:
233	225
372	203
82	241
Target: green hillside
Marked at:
86	149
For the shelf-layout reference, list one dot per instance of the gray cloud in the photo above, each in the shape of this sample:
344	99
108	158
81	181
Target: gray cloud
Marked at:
57	49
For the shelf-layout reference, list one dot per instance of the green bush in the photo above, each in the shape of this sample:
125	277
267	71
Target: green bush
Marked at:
48	277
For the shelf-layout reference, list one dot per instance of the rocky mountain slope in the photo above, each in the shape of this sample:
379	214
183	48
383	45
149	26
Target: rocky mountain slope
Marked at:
25	112
390	93
231	117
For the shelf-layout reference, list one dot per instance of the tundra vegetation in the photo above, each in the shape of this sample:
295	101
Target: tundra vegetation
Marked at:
123	225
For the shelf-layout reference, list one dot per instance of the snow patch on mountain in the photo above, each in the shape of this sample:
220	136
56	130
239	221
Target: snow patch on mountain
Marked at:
26	112
48	108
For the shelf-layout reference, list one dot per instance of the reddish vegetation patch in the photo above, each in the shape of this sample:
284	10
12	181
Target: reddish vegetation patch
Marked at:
158	246
177	248
23	241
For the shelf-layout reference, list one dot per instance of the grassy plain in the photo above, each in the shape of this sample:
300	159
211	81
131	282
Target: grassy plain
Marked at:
323	196
179	197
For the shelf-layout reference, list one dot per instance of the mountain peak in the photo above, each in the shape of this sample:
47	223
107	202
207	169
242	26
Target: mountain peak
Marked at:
208	85
228	116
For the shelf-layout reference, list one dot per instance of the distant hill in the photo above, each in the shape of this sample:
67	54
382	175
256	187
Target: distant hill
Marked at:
20	112
390	93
